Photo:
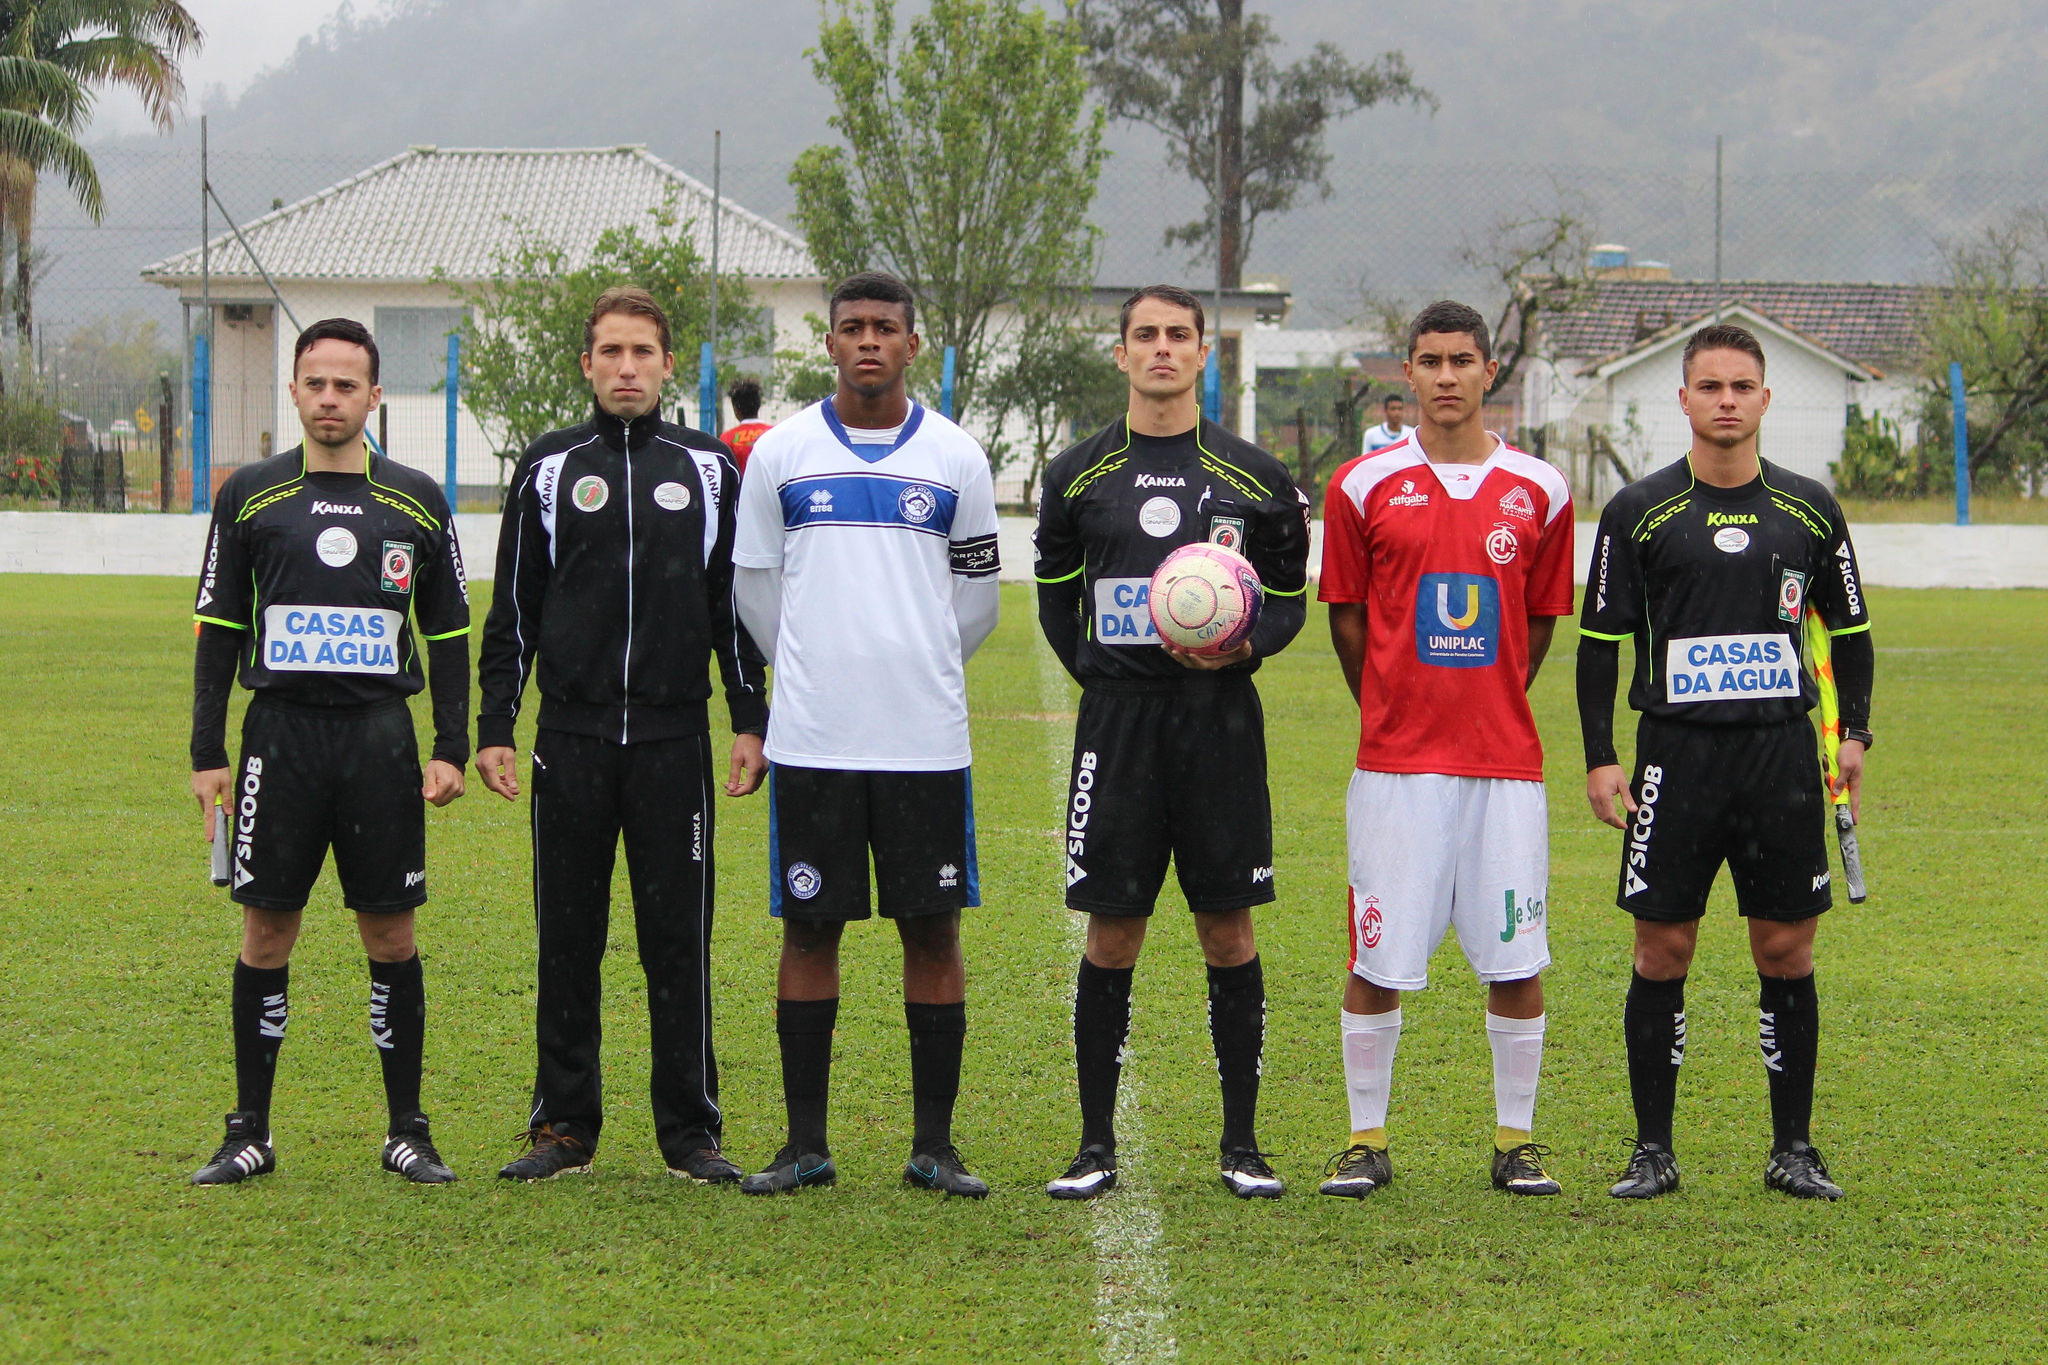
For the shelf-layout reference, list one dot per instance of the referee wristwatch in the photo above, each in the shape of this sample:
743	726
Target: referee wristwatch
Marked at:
1863	737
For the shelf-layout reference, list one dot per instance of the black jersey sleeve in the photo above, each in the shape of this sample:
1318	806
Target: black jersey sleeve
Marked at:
1838	585
1599	673
227	591
1058	569
440	605
740	664
1280	554
213	681
1614	603
518	600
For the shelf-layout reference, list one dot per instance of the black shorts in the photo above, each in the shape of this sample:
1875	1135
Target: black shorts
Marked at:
1179	773
1747	795
822	822
311	778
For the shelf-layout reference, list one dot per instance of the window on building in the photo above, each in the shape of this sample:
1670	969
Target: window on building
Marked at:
412	344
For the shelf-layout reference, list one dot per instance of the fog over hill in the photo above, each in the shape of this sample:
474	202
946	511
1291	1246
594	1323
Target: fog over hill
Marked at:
1858	131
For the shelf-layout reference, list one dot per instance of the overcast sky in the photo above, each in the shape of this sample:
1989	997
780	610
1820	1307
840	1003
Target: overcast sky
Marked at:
243	37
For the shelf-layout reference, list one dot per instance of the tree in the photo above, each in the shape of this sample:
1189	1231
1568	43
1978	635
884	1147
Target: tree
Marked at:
1541	262
65	51
1992	315
522	342
970	163
1182	67
1060	380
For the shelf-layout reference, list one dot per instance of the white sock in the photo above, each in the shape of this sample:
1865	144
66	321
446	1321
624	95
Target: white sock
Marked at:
1369	1042
1517	1062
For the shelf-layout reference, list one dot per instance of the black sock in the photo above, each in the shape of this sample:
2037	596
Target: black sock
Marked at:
804	1029
1788	1030
1654	1022
1102	1023
259	1011
1237	1028
398	1026
937	1033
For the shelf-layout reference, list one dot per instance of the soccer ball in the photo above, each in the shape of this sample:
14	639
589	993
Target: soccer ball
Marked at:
1205	599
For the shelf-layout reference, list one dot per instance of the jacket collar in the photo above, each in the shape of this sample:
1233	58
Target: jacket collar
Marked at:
619	434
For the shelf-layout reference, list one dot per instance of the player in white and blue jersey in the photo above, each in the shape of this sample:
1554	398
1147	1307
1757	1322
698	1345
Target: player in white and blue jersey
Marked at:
865	567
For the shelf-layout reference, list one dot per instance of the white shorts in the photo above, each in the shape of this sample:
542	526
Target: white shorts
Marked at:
1429	852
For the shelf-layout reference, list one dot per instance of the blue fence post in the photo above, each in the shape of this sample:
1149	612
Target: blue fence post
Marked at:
946	370
202	425
1212	388
1960	403
454	408
707	389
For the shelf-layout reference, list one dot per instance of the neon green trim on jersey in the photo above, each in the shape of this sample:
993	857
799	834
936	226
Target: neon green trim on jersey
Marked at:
1851	630
445	635
244	625
1643	527
1603	635
1818	523
1105	465
1282	592
1241	479
276	493
404	502
1065	577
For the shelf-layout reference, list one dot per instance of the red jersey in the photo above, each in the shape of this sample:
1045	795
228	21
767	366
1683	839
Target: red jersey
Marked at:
1451	561
741	437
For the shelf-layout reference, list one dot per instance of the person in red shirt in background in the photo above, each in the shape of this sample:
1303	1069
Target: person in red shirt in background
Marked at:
1447	559
741	435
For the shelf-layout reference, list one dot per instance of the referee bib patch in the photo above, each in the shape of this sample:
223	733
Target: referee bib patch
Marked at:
331	639
1730	668
1123	612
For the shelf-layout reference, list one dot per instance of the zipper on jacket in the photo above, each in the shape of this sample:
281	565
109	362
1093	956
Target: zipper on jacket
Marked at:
626	671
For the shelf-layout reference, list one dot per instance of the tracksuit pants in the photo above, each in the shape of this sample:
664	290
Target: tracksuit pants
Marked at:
586	793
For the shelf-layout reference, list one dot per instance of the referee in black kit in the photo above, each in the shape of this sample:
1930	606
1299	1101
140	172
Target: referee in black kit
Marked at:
615	567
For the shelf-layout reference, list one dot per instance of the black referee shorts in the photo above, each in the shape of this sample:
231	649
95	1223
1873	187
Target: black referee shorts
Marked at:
315	777
1747	795
1175	773
823	823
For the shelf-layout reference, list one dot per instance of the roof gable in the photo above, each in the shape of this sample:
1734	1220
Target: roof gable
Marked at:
1877	326
454	210
1672	339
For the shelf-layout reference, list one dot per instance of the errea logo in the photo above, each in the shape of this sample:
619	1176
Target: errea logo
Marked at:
821	503
949	876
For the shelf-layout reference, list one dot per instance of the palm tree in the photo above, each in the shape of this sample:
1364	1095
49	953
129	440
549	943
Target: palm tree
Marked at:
54	56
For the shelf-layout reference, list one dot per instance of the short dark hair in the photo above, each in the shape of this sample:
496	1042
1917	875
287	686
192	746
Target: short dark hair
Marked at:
1447	316
336	329
746	399
875	285
1392	399
629	299
1722	336
1165	293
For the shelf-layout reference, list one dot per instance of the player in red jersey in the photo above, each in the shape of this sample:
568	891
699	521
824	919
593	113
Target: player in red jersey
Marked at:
1447	558
741	435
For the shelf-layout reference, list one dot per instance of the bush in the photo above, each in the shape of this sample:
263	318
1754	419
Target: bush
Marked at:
1877	463
30	435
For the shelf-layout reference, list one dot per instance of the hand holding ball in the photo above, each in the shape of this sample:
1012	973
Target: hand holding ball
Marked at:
1205	599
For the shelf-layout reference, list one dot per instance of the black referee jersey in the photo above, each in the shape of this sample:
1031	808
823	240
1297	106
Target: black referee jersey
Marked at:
1114	506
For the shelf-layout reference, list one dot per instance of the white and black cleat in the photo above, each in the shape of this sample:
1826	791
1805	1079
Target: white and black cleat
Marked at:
1092	1173
241	1154
410	1152
1246	1175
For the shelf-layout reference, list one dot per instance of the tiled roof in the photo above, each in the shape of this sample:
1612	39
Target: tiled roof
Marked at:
454	209
1875	325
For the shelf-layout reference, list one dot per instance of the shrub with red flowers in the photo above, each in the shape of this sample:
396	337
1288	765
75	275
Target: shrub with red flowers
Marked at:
28	476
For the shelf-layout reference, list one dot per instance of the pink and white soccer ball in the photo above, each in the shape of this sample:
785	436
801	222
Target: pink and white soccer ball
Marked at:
1205	598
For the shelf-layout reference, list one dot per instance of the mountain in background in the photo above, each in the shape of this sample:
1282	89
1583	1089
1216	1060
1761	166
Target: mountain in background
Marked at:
1858	134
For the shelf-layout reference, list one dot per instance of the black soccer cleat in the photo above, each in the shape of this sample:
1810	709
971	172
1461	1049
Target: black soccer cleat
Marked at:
791	1170
1652	1171
548	1154
941	1169
706	1166
1357	1171
1519	1170
241	1154
1802	1174
1093	1172
410	1152
1246	1175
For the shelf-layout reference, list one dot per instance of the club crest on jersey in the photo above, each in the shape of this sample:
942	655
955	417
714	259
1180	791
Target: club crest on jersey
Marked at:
1408	497
1457	620
336	547
1369	921
1731	540
397	562
918	504
1502	544
804	881
1791	595
1159	517
671	496
590	493
1518	503
1227	532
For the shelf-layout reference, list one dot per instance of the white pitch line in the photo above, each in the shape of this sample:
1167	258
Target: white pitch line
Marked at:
1132	1302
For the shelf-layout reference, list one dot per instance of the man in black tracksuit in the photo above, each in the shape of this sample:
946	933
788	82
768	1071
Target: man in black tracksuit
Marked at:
615	565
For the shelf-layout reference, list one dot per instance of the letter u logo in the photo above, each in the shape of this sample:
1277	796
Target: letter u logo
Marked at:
1443	606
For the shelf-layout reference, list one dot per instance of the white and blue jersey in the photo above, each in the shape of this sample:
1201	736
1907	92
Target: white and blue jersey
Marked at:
870	530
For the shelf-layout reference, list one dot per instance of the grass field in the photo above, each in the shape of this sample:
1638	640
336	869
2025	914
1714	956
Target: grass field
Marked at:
114	1063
